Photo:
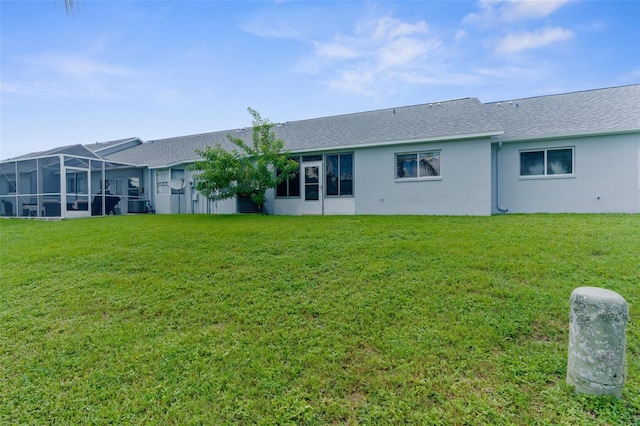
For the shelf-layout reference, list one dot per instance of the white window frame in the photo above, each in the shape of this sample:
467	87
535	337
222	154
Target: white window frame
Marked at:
545	174
288	183
338	175
417	177
162	181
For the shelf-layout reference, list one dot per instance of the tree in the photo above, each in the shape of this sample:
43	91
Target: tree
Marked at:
249	170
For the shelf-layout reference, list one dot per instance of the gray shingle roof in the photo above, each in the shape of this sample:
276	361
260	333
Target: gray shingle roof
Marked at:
181	149
597	111
451	119
77	150
102	148
439	120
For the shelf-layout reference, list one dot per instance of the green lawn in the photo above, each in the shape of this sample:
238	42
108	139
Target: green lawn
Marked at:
306	320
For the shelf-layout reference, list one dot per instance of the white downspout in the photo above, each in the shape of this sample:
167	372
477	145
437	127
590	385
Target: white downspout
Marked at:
500	209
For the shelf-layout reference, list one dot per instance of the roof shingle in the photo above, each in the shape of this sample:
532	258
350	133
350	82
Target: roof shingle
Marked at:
449	119
608	110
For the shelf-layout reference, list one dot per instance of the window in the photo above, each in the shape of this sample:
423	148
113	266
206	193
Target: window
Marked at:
133	187
11	186
77	182
177	175
547	162
162	181
119	186
290	187
339	174
105	186
418	165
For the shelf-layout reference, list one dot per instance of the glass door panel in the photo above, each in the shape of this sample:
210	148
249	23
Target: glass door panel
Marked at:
312	177
311	183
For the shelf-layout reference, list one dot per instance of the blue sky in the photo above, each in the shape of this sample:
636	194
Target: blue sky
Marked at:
156	69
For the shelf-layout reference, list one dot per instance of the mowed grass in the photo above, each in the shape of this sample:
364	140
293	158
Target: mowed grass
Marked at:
307	320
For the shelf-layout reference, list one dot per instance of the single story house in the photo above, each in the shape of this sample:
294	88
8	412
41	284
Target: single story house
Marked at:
572	152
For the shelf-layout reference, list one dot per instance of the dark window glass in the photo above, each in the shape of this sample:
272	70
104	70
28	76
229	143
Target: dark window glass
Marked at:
406	166
312	183
281	190
294	184
339	174
346	174
429	164
546	162
332	174
559	161
312	174
532	163
134	187
290	187
311	193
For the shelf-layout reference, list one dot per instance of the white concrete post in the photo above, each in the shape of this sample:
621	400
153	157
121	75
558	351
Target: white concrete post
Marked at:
597	342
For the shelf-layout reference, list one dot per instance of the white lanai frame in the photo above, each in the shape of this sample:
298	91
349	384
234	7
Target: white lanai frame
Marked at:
72	182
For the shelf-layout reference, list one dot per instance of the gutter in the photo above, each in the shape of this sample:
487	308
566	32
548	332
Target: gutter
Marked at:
575	135
446	138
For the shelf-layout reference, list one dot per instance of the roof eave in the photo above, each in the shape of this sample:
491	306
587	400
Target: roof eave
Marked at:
573	135
126	141
447	138
174	163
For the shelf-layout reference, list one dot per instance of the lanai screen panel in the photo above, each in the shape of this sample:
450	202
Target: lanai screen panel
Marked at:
60	185
8	189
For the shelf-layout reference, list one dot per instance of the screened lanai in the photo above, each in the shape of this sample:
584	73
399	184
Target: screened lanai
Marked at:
65	183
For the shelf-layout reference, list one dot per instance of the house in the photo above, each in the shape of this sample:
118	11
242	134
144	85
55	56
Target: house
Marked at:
572	152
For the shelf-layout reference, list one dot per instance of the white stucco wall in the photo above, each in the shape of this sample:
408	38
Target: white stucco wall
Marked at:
171	203
163	204
287	206
606	177
464	187
339	206
331	206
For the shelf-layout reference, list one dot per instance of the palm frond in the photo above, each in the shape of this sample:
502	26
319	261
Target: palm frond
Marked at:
70	5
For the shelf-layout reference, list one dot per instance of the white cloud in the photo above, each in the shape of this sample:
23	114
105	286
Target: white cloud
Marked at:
388	27
514	43
530	9
516	72
358	80
336	50
274	29
494	11
67	75
79	66
460	35
56	89
404	52
377	54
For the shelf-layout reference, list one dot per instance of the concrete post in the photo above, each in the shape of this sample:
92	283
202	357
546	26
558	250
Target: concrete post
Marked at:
597	343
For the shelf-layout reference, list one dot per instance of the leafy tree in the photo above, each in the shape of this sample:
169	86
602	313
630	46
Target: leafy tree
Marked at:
249	169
